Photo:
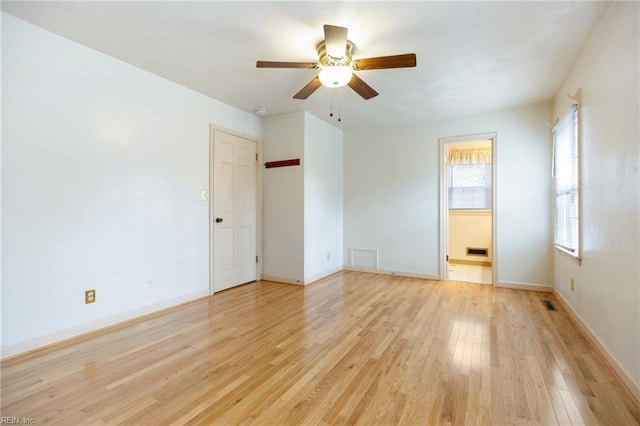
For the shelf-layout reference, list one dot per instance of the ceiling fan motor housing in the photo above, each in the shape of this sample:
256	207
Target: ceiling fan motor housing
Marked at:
324	59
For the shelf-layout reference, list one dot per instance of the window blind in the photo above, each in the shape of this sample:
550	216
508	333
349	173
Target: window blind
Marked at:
469	186
565	182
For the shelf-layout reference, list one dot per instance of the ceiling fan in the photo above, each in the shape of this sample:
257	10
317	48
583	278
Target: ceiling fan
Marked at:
336	65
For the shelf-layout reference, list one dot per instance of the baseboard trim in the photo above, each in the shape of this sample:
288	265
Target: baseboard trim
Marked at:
470	262
526	286
284	280
632	388
322	276
394	273
305	282
82	330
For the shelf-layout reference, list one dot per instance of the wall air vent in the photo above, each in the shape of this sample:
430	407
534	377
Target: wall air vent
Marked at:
364	258
549	305
471	251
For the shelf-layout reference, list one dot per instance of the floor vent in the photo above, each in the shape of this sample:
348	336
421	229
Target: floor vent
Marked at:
549	305
477	251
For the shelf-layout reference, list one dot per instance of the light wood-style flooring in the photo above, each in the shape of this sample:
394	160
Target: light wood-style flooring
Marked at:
353	348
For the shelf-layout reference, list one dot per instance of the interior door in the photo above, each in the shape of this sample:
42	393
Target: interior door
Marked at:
235	216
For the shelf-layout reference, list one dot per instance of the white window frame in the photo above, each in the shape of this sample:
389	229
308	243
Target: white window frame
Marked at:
485	188
567	131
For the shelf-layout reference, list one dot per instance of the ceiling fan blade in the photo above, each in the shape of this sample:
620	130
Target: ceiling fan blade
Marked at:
272	64
362	88
308	90
383	62
335	40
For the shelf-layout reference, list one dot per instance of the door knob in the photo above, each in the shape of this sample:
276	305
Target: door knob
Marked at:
218	219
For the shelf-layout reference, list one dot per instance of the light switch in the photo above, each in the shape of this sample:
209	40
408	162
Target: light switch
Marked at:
204	195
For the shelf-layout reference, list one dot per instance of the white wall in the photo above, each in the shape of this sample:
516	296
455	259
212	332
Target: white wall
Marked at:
283	199
391	192
607	284
323	177
102	168
1	173
302	205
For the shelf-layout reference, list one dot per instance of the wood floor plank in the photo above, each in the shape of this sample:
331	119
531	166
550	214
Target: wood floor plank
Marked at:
355	348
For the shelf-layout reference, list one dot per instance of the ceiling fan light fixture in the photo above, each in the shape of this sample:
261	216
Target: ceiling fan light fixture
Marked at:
335	75
336	64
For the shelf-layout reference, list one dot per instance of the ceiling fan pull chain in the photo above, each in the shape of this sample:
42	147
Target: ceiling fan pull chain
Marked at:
331	105
339	107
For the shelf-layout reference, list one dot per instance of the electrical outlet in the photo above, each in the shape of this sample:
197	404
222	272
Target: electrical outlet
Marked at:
204	195
573	285
89	296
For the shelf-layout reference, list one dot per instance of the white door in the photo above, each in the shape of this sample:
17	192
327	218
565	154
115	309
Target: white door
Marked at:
234	218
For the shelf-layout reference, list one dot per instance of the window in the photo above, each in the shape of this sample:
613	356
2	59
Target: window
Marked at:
469	186
565	183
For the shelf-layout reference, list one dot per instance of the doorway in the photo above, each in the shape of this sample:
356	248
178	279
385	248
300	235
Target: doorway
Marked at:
467	209
233	210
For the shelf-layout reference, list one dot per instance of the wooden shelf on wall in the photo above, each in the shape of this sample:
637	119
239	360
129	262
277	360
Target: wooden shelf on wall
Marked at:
282	163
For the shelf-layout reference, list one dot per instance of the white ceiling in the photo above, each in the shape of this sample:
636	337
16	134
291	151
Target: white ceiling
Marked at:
472	56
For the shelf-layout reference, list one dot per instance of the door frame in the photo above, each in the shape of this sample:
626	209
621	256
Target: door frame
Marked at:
212	129
444	198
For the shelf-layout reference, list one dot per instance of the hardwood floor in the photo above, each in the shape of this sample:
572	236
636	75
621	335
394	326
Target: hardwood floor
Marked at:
354	348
